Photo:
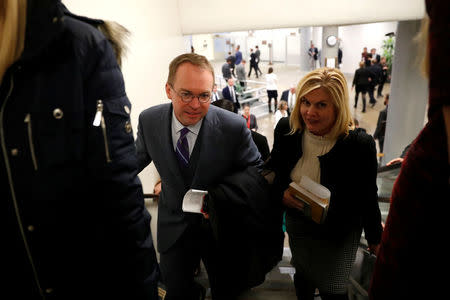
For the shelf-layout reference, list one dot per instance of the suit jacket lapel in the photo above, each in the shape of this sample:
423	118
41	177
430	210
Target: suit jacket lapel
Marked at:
167	143
205	148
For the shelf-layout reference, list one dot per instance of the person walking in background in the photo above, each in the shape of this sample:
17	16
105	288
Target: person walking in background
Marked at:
250	119
240	71
272	89
289	97
238	55
381	125
317	141
184	138
75	223
216	94
313	53
253	64
226	70
383	77
376	72
258	59
281	112
361	81
232	59
229	93
418	215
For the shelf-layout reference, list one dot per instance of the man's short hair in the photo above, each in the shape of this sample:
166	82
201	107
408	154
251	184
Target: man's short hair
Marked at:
192	58
225	104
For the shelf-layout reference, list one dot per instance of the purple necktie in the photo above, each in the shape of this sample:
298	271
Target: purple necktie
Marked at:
183	148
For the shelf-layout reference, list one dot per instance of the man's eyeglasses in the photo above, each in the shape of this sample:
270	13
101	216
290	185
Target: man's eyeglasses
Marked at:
187	97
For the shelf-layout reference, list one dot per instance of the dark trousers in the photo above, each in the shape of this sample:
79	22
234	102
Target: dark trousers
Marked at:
257	69
254	67
360	89
179	263
272	94
380	89
305	290
371	89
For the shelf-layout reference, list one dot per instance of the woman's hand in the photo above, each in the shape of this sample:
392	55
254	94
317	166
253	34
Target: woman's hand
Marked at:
290	201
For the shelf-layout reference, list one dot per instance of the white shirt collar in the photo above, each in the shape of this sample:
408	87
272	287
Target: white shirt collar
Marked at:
195	129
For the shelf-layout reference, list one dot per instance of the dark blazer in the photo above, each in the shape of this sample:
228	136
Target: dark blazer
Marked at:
243	216
381	128
285	95
227	95
75	186
262	144
226	71
353	204
361	77
226	144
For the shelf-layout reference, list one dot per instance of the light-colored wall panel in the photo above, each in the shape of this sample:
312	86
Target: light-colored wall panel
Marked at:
154	41
208	16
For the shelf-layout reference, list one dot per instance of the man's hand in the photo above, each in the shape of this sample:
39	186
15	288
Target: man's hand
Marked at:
395	161
290	201
157	188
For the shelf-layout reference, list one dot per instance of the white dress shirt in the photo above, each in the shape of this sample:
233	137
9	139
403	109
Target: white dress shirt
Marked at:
191	135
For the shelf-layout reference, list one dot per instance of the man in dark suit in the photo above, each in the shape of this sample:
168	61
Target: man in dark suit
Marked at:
376	73
290	97
229	93
253	64
374	55
216	94
257	56
226	69
184	139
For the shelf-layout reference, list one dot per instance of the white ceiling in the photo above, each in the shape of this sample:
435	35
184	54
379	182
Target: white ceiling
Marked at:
210	16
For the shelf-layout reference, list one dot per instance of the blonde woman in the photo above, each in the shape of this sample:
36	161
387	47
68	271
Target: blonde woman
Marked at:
76	224
318	141
281	112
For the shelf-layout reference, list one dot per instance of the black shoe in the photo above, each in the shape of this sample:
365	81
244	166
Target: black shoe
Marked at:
363	111
354	106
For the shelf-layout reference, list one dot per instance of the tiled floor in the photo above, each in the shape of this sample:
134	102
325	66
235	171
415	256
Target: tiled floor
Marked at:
279	284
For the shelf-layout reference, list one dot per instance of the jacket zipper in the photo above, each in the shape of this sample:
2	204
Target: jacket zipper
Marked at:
99	120
13	193
30	141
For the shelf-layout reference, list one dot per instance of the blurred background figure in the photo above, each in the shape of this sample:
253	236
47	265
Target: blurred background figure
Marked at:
361	81
381	125
289	97
272	89
281	112
249	118
240	71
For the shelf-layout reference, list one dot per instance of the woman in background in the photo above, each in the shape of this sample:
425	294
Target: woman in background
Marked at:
281	112
272	89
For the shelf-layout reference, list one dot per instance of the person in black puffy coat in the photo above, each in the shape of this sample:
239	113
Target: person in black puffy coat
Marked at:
76	224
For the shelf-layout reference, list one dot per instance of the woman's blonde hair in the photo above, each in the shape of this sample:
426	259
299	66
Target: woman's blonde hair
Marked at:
13	15
333	81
